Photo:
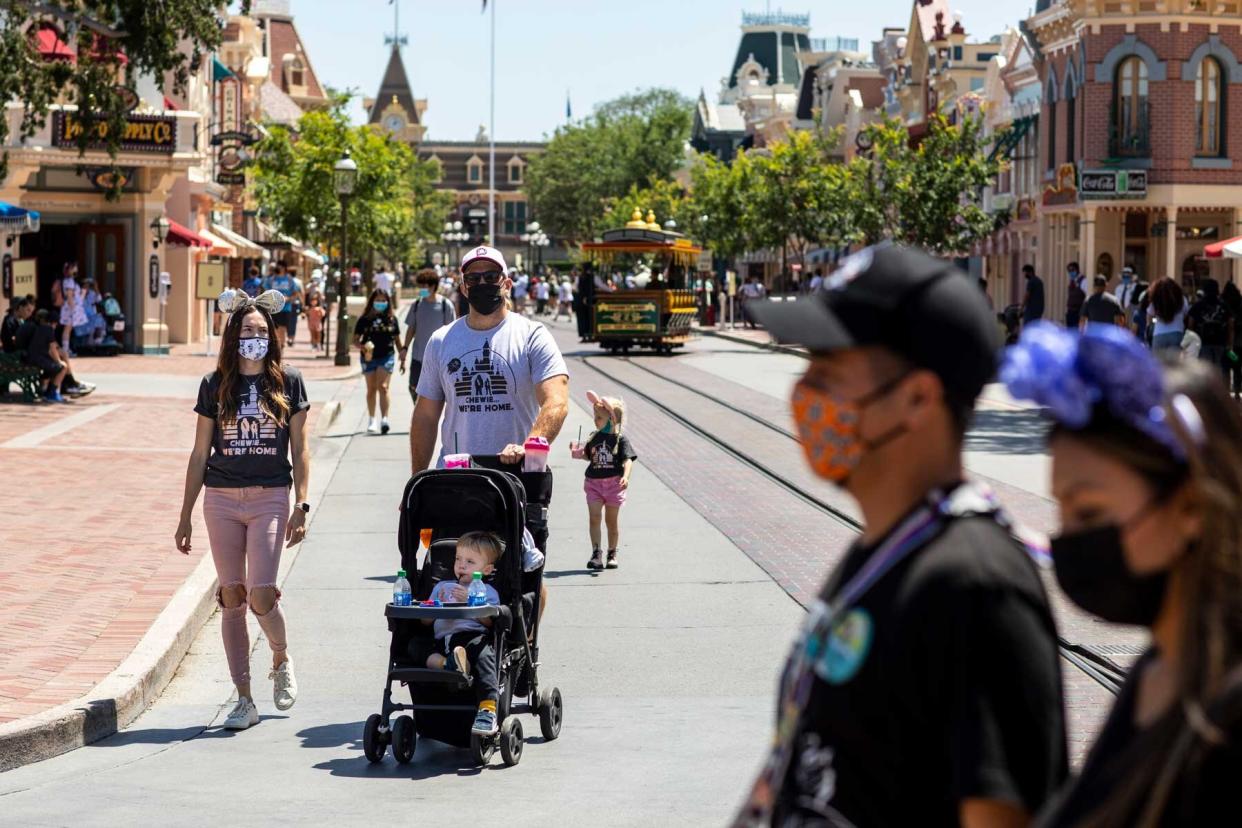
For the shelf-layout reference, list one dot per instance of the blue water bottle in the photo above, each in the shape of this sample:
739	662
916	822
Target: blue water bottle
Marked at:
476	596
402	595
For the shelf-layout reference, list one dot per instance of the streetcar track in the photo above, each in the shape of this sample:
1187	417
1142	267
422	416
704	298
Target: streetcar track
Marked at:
1103	670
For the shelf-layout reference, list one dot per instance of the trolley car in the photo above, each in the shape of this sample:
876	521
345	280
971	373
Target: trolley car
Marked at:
659	315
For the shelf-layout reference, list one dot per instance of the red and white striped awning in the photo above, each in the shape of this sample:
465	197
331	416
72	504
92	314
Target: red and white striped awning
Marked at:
1227	249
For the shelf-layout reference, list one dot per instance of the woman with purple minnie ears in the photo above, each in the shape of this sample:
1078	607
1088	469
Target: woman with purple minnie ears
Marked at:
1147	470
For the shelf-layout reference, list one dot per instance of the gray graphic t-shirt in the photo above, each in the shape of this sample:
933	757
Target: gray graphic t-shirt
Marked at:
487	381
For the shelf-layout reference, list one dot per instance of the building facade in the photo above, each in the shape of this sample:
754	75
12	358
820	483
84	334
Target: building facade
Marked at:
1140	160
463	168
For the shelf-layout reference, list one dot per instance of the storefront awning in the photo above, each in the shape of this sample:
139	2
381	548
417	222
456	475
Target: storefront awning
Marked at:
219	247
245	247
14	219
310	255
1227	249
1016	132
219	71
51	47
181	236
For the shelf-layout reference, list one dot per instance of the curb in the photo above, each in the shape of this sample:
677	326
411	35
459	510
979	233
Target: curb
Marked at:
138	681
766	346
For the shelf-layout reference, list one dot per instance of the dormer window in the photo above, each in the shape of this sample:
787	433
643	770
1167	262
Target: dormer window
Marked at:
295	72
474	170
515	170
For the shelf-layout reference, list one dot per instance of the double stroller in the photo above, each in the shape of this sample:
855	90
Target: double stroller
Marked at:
451	503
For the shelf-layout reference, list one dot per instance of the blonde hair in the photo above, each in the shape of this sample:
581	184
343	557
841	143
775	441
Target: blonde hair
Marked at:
616	411
485	542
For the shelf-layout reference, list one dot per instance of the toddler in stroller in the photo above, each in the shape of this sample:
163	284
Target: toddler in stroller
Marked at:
479	506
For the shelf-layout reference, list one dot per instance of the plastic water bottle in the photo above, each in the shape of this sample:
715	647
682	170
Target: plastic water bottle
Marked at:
476	596
402	595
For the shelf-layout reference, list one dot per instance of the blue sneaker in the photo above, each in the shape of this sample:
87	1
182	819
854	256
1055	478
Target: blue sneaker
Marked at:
54	395
484	722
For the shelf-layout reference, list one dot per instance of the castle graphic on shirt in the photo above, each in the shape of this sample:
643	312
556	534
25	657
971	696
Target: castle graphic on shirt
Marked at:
252	432
602	456
481	381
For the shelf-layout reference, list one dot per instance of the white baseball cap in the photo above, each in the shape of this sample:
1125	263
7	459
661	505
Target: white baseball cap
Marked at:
491	254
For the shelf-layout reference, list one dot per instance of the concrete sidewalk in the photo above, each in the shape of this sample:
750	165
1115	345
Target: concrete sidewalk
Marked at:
96	606
667	665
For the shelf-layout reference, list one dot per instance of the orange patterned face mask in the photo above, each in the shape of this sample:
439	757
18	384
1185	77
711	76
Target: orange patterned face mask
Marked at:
828	429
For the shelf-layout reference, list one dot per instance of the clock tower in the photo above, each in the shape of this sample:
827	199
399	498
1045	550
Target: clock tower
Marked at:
395	109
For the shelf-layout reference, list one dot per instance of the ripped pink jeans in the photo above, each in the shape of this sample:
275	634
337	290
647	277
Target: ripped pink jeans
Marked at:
246	528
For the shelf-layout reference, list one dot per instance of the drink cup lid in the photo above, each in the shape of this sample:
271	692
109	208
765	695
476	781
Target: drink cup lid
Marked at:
400	573
478	576
536	442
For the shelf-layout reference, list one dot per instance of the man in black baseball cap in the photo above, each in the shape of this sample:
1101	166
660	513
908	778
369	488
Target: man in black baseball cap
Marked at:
926	687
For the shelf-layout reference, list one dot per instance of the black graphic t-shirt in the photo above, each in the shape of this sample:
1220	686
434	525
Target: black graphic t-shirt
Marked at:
380	330
941	683
254	449
607	454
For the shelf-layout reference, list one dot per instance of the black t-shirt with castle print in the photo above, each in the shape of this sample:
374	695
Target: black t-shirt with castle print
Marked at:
607	454
254	449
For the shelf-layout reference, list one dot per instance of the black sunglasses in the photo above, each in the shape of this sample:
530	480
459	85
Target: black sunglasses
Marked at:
492	277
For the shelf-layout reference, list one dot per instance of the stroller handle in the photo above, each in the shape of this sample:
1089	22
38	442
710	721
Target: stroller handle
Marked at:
442	613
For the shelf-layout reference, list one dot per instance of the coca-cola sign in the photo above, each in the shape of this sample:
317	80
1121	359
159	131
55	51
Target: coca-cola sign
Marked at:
1113	184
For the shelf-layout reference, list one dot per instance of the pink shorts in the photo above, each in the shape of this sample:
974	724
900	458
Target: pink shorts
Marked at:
606	490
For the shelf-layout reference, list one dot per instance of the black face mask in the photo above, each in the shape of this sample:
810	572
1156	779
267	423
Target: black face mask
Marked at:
485	298
1091	568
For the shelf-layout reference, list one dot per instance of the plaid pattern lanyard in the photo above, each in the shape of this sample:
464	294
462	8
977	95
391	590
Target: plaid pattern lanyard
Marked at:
799	676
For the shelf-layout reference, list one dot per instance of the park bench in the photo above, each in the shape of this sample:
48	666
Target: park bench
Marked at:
26	377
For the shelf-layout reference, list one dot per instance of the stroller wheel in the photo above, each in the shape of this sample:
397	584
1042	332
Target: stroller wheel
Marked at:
482	748
373	742
551	710
404	739
511	741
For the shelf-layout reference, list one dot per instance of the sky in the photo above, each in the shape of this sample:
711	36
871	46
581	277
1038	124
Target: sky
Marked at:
589	50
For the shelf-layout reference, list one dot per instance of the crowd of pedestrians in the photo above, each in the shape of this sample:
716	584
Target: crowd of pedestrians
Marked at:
42	340
1194	319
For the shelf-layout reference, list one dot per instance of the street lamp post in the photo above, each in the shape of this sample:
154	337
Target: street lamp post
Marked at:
541	241
344	177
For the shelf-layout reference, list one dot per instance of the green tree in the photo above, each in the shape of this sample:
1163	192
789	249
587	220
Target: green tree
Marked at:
716	211
929	195
394	202
114	41
664	197
633	141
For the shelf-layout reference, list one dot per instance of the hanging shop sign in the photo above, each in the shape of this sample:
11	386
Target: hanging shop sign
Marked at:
210	281
153	275
1113	184
143	133
24	273
6	275
231	155
1065	190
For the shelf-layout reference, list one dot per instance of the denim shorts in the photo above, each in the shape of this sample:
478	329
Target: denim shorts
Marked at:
389	362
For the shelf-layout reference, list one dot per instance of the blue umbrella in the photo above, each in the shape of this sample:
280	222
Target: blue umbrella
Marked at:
14	219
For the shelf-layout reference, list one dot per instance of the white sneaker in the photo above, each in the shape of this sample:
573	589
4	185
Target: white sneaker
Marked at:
244	715
285	685
373	426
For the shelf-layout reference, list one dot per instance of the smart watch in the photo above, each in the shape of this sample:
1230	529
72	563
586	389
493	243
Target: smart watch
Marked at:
304	506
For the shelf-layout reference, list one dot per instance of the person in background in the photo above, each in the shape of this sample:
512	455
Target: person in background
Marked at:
20	309
296	303
252	285
753	293
1147	473
564	300
386	281
817	281
1075	294
521	282
73	311
1167	313
95	328
315	313
1102	307
1127	290
1233	301
428	314
1033	297
1210	318
886	715
542	294
41	352
1138	314
282	282
584	300
377	335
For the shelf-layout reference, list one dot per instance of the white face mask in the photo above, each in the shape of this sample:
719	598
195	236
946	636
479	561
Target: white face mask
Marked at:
254	347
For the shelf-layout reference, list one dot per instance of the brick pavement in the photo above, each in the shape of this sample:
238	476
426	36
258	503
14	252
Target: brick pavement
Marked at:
794	542
88	559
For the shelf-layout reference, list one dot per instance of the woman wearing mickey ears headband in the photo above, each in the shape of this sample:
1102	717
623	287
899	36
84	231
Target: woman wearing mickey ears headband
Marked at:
1147	469
249	448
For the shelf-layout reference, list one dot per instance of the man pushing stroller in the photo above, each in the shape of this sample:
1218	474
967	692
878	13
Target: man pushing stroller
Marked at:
466	643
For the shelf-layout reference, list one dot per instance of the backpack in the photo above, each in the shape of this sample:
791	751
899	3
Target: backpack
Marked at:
1213	323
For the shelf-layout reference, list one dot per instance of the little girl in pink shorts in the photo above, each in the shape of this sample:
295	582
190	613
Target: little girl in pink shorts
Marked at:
610	459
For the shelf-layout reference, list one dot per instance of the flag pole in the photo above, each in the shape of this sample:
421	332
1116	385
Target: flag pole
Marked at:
491	150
